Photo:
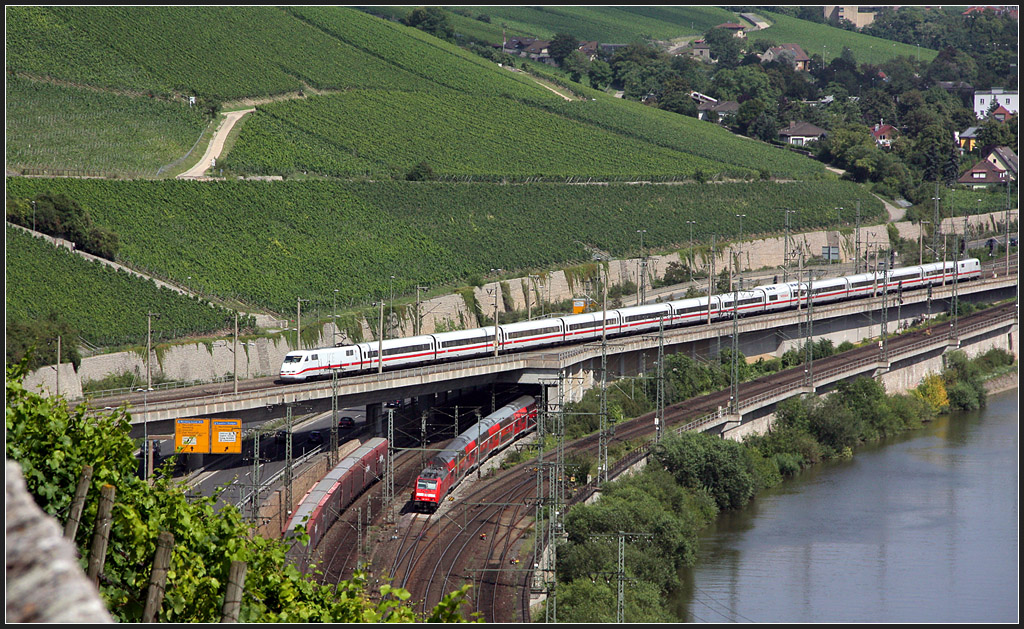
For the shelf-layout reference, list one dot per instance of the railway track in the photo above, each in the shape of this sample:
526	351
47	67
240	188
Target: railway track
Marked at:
449	551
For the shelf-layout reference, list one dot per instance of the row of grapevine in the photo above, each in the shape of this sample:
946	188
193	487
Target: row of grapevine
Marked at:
272	242
215	52
106	306
359	130
59	127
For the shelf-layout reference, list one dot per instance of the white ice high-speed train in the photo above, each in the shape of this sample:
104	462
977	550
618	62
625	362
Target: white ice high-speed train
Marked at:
302	365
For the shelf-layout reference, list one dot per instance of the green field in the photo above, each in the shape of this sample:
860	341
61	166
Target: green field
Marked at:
829	41
106	306
268	243
57	128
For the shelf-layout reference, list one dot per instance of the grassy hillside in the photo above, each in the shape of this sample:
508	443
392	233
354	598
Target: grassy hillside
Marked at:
104	305
57	127
829	41
395	97
267	243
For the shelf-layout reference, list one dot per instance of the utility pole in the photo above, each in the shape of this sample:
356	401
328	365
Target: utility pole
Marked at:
334	418
787	252
234	353
298	322
419	323
711	276
149	348
334	316
642	297
937	221
659	419
692	258
920	242
856	261
734	398
380	340
391	305
607	430
810	329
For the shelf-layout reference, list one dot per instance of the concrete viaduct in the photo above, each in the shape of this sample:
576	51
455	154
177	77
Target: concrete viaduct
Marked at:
766	335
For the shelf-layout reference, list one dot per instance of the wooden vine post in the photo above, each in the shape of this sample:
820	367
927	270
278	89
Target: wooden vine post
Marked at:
77	504
158	578
233	596
101	534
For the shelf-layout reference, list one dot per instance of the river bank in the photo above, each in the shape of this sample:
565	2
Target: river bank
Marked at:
1004	382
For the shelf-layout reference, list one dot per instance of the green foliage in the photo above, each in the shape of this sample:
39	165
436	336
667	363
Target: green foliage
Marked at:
652	502
53	291
63	128
61	217
36	341
175	228
53	443
706	461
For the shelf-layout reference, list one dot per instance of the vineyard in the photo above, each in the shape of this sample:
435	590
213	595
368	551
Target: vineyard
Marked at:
44	281
269	243
689	135
242	52
829	41
378	131
60	127
605	24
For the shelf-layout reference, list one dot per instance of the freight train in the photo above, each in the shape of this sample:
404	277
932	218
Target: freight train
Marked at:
302	365
470	449
321	506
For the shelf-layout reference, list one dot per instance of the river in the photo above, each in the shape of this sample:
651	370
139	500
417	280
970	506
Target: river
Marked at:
921	528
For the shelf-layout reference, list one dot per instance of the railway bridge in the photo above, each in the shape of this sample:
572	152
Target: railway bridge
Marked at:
578	366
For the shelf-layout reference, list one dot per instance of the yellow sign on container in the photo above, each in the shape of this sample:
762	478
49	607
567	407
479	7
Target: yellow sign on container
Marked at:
192	436
226	436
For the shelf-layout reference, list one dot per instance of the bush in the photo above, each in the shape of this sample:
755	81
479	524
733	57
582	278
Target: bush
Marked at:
706	461
967	396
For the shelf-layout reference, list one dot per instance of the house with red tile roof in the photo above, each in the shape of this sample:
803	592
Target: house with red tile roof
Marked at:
884	134
984	174
801	60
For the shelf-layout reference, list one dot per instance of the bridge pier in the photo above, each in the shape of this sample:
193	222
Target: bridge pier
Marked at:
375	418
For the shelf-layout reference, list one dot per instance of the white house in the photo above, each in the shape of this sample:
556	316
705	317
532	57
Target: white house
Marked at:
983	100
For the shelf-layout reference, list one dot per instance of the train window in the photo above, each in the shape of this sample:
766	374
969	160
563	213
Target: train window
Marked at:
426	484
293	359
313	357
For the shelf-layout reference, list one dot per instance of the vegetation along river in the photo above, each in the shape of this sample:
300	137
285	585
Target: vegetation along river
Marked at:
922	528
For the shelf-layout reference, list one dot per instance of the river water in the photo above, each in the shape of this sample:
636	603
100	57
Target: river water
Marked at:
922	528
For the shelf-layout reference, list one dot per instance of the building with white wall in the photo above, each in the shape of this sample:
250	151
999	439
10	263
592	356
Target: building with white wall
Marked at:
983	100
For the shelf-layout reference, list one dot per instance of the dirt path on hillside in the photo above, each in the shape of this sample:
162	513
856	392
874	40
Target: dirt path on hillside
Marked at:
216	146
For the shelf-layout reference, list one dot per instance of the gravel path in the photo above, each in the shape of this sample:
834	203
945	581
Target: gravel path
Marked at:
216	145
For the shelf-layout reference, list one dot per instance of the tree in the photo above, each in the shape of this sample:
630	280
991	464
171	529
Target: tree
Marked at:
676	97
995	133
576	64
700	460
433	20
562	46
600	74
724	47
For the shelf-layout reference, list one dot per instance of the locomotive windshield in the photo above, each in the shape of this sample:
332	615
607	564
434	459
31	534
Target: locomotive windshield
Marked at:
426	484
293	359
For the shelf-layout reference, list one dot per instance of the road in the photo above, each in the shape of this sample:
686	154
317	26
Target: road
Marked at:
216	146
